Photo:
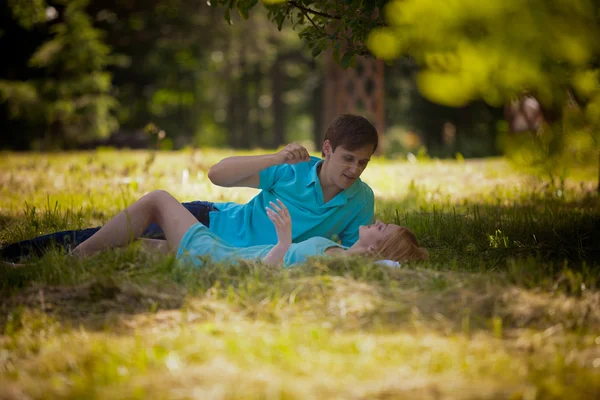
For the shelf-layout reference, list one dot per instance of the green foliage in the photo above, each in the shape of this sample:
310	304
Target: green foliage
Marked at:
343	25
73	101
493	50
244	6
28	13
21	97
555	149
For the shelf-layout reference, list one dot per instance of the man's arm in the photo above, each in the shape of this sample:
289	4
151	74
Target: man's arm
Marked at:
245	170
241	170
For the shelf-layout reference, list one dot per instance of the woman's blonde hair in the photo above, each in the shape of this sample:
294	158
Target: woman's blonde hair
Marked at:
402	246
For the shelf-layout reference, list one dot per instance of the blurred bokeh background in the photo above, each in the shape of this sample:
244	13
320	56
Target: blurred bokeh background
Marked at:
455	80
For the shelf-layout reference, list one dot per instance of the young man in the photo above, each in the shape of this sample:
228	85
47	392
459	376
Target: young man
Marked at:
324	197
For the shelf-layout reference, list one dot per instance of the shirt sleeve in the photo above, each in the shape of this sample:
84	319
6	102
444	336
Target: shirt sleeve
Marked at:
268	177
366	216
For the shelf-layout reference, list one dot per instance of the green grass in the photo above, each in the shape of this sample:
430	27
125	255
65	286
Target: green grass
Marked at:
507	307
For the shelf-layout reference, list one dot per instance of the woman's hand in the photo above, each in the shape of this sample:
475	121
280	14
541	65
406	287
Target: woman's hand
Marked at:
280	216
283	225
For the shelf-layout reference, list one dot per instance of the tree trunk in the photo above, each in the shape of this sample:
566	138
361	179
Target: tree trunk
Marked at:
232	114
317	112
243	107
277	104
258	125
230	119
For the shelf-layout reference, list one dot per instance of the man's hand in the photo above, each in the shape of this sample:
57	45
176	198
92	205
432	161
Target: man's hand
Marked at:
293	153
280	217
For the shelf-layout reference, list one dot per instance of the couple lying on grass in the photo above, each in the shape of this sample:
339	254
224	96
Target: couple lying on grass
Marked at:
325	199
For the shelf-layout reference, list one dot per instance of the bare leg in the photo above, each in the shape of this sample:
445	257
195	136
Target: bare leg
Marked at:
155	207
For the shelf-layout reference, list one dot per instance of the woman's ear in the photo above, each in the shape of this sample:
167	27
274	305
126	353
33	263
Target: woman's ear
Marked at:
371	250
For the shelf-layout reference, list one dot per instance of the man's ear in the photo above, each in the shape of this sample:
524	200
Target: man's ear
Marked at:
327	150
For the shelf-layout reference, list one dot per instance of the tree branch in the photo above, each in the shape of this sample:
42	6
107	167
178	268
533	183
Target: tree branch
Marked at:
312	22
315	12
357	50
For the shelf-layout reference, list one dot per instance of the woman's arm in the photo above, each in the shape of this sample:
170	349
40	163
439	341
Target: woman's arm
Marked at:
276	255
283	225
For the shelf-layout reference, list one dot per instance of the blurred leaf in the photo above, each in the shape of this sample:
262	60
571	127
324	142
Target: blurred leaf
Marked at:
47	53
21	96
384	44
336	54
464	46
280	18
28	13
348	60
586	82
244	6
446	89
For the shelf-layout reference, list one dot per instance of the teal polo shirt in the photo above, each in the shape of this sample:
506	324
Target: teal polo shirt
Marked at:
299	188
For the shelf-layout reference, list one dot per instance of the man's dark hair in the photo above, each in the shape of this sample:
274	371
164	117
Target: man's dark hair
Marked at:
351	132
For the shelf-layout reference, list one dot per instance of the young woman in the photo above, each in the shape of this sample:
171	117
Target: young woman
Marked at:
192	240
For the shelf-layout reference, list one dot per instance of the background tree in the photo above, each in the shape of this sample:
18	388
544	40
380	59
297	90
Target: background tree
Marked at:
501	50
343	25
175	64
207	80
468	50
70	98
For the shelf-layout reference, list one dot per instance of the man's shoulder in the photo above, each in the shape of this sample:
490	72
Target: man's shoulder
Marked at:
306	166
302	171
303	167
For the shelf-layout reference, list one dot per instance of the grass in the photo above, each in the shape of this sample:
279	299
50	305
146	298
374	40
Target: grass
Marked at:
507	307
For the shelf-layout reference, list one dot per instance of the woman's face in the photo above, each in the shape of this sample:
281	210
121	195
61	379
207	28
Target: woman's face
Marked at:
372	235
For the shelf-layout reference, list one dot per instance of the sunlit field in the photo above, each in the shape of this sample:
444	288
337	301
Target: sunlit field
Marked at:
508	307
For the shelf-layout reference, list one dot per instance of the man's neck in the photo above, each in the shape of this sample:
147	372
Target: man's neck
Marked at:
329	189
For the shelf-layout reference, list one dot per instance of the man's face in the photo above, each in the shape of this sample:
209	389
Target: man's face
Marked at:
344	167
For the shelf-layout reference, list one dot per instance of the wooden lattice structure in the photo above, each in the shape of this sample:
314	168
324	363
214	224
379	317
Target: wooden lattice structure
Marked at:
357	90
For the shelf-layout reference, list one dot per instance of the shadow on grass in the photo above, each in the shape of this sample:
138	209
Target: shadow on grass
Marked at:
349	294
6	221
93	293
95	305
551	231
548	246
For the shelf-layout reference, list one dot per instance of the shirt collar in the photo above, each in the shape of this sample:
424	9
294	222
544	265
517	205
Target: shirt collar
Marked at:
341	198
313	176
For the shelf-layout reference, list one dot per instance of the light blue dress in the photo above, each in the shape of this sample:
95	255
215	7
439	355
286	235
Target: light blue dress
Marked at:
199	244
